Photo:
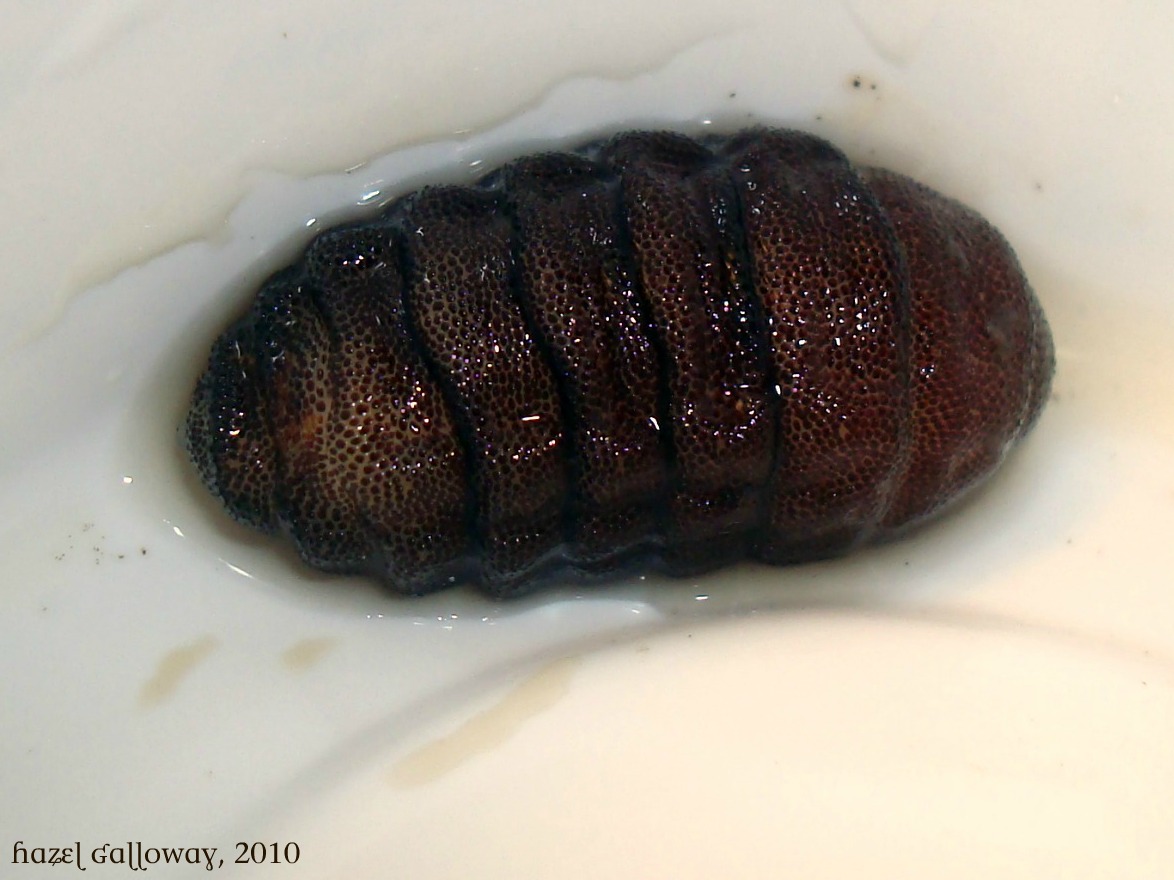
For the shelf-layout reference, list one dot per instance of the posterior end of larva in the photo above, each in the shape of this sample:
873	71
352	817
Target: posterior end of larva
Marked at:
981	358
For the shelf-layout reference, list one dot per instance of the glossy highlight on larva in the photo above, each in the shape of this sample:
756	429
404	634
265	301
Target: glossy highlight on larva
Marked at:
655	351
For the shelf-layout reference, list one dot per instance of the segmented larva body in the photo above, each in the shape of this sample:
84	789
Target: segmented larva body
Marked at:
654	351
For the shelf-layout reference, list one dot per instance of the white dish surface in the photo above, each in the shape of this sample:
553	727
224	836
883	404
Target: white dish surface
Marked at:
992	697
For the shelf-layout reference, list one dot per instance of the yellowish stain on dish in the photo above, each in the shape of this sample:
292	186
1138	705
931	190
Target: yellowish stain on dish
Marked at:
304	655
173	668
488	729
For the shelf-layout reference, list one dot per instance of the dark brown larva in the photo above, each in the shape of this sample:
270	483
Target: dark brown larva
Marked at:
654	351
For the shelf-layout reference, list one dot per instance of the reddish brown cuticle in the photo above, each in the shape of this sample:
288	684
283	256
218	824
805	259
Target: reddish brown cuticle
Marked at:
656	351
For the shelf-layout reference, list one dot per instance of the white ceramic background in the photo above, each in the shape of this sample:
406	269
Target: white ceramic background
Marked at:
993	698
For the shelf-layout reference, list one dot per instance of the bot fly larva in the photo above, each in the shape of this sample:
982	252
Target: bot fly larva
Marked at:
654	351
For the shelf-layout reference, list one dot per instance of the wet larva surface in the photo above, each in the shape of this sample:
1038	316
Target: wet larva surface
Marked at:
655	352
